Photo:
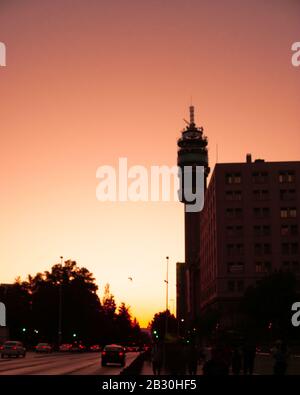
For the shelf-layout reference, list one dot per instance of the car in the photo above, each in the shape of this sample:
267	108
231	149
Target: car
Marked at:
43	347
113	353
77	347
65	347
13	349
95	348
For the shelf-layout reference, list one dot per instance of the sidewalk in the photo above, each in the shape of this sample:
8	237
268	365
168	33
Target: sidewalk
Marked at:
147	369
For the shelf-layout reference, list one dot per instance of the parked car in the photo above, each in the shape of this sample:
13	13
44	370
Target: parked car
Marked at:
43	347
13	349
65	347
113	353
77	347
95	348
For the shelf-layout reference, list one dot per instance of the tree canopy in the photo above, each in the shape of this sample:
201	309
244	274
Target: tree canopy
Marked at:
33	308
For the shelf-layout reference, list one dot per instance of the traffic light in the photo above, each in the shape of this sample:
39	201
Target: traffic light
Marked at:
23	329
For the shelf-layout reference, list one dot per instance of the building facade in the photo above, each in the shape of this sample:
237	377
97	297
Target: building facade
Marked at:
249	228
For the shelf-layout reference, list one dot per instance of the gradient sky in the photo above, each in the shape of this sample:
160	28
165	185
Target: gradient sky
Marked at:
88	82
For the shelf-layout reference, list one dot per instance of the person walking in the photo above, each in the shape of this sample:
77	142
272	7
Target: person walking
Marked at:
192	360
280	354
249	352
236	363
156	357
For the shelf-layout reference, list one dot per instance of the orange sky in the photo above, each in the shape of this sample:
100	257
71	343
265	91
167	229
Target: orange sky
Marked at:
88	82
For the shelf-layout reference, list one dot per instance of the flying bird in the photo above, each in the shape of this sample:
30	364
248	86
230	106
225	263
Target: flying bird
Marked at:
130	278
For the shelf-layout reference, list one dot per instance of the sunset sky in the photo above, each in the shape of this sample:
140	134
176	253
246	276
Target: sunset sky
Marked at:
89	81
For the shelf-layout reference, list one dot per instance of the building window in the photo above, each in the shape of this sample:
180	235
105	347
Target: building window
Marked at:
234	212
289	248
267	248
231	286
235	249
260	177
292	213
235	267
294	248
240	286
285	248
263	267
234	231
261	212
239	230
295	267
233	195
261	194
285	177
230	249
290	266
230	231
262	249
294	230
240	249
288	212
233	178
261	230
289	230
257	249
287	194
284	231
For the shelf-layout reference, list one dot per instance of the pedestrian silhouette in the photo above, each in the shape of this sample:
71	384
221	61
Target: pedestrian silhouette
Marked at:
280	354
249	351
156	357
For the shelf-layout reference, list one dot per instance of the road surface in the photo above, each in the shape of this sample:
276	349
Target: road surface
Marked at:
61	364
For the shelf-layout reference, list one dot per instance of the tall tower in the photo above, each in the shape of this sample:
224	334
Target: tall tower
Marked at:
192	151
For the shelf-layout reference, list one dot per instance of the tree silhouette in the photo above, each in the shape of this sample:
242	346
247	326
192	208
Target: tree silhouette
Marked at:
268	304
33	308
158	324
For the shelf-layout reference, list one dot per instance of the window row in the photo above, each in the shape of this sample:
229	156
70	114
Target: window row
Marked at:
261	267
261	177
262	194
262	230
262	249
262	212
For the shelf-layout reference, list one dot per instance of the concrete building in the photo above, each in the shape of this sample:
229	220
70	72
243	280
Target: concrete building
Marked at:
249	227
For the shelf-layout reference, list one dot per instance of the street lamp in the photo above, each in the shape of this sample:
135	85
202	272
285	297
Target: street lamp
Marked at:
167	294
60	309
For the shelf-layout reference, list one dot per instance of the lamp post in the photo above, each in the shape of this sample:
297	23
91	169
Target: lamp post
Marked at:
167	294
60	309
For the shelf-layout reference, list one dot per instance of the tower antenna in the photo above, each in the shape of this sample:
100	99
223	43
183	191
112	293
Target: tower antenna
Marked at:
192	115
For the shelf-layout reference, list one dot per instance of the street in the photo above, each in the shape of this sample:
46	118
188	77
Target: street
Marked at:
61	364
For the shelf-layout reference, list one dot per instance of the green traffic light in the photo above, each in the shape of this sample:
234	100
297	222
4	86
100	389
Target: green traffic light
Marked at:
24	330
